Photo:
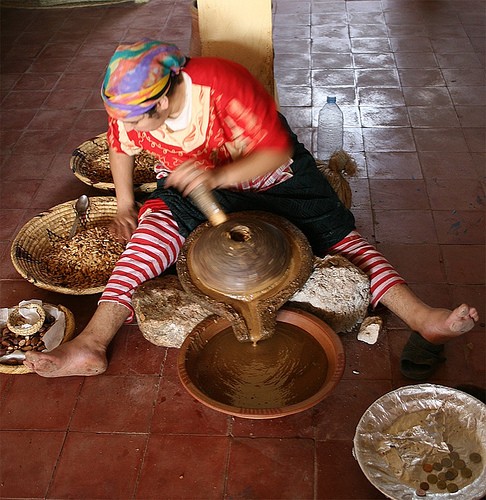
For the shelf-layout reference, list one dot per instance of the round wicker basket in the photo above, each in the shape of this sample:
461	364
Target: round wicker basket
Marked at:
68	335
90	163
17	324
38	235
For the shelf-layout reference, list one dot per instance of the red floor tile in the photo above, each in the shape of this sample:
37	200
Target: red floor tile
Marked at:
184	467
394	194
27	407
271	468
339	474
461	227
11	198
365	361
115	404
53	119
45	141
131	353
338	415
37	81
299	425
28	461
440	139
404	226
10	218
96	465
383	140
416	263
448	194
426	96
465	263
475	354
23	167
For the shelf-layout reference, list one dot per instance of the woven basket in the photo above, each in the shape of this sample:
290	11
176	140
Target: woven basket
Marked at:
90	163
38	235
68	335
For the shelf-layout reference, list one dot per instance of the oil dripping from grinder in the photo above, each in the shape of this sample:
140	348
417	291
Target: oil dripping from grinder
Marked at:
249	263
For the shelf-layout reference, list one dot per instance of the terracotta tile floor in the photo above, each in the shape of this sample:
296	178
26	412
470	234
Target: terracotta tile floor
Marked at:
410	79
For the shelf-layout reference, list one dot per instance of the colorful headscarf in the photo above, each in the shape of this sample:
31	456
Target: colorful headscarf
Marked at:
137	75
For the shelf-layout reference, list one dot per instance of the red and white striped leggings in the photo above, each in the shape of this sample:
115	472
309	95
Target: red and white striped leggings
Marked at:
156	244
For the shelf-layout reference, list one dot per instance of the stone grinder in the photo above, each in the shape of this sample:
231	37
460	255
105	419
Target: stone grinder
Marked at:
244	266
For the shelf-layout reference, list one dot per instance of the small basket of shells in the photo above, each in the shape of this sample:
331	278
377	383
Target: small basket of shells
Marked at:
31	326
90	163
45	254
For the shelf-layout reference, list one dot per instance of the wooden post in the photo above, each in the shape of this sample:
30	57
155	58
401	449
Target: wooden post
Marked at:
242	32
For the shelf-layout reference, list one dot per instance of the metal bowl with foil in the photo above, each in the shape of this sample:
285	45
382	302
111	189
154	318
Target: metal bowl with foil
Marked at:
288	373
424	440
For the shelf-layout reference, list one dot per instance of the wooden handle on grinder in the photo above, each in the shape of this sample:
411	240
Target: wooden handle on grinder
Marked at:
208	205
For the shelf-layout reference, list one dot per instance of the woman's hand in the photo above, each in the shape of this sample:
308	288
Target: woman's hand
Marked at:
189	175
124	223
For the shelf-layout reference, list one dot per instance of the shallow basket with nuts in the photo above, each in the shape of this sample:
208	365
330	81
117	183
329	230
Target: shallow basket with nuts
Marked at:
90	163
16	340
44	254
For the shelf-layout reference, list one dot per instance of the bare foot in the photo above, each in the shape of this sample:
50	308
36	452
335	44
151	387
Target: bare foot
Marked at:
72	358
442	325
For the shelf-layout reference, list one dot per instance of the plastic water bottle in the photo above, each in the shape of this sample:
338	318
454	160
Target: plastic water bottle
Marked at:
329	130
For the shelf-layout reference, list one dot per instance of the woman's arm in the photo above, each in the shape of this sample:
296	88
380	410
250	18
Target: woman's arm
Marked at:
122	166
188	175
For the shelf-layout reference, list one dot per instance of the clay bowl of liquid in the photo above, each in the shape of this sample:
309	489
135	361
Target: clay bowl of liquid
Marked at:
288	373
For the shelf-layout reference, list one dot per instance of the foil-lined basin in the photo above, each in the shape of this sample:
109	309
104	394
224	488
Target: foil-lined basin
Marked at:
290	372
417	425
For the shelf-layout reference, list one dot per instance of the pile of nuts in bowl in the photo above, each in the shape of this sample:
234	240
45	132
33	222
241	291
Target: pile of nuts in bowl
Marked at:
84	261
11	341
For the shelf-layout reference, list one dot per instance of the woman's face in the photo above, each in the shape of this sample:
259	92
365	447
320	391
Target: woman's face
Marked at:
148	122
